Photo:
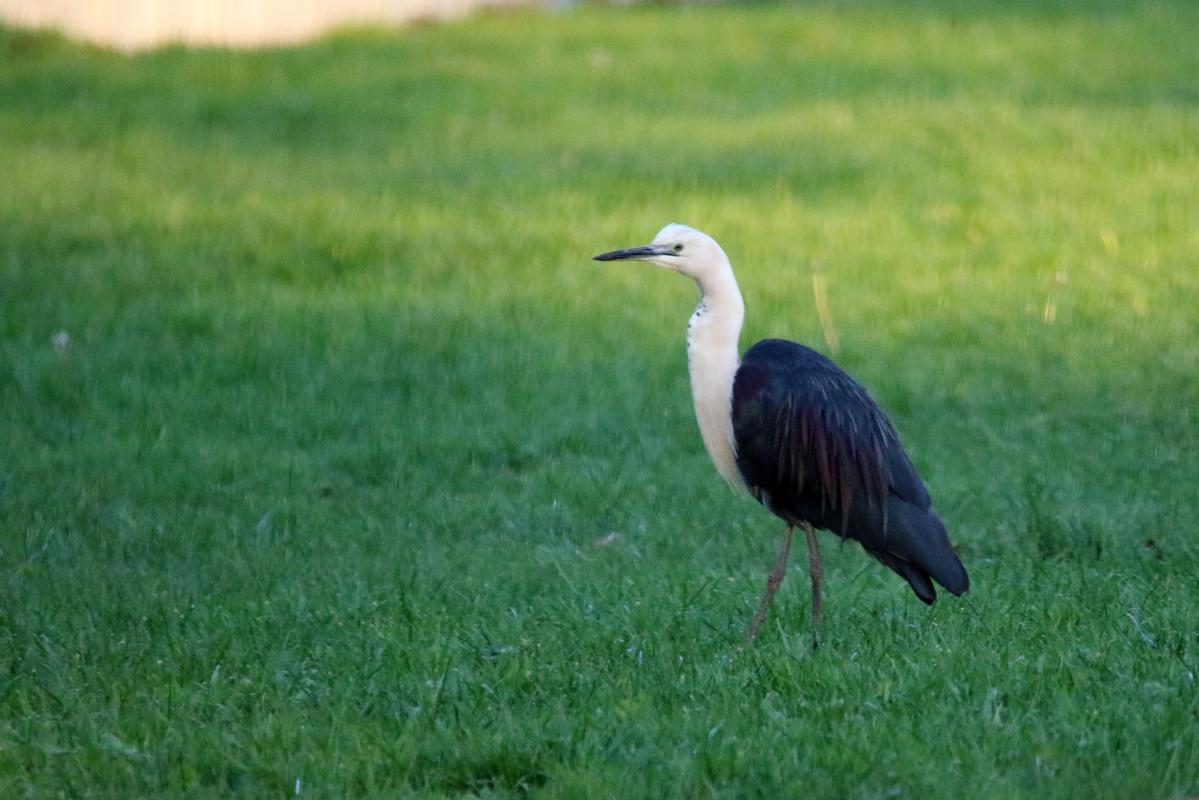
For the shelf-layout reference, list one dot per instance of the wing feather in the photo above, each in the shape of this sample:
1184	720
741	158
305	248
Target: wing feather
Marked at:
804	426
815	447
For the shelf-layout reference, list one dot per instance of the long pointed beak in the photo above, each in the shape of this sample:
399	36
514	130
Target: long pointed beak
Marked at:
641	252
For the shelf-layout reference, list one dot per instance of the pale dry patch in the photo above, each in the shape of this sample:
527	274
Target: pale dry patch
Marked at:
140	24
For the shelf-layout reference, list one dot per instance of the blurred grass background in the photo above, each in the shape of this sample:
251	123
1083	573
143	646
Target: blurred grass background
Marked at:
315	495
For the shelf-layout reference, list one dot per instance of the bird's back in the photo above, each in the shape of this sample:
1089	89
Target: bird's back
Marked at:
814	447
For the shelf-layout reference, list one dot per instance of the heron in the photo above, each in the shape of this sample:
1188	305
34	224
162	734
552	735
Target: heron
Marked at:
796	431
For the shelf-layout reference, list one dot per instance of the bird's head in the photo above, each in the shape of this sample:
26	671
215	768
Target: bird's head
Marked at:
679	248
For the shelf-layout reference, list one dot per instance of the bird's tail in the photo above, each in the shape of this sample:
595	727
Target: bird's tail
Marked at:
917	547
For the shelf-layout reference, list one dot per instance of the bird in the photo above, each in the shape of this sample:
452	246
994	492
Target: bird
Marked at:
800	435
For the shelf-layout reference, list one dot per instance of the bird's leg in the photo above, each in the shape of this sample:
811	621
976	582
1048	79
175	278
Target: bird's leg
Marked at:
772	585
816	570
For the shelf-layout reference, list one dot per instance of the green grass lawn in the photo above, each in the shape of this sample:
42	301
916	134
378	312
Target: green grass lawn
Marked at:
318	495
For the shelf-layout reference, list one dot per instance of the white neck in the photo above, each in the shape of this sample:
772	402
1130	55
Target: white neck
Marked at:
712	356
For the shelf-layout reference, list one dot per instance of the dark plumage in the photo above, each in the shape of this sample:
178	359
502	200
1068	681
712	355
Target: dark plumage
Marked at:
815	448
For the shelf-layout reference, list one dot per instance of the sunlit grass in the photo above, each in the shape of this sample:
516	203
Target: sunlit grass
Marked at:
322	483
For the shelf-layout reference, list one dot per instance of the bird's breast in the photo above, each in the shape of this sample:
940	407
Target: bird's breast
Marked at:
713	366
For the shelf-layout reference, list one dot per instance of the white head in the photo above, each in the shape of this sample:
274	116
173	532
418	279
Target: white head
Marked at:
679	248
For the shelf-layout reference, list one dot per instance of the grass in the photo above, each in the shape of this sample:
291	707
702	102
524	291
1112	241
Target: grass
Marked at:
317	497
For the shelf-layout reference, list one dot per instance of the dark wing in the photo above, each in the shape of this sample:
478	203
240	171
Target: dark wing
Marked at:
814	447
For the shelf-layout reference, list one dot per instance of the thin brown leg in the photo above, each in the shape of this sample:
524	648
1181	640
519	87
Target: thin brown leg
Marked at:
816	570
772	585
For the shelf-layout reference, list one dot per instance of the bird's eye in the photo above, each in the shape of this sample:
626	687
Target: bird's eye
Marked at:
678	248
